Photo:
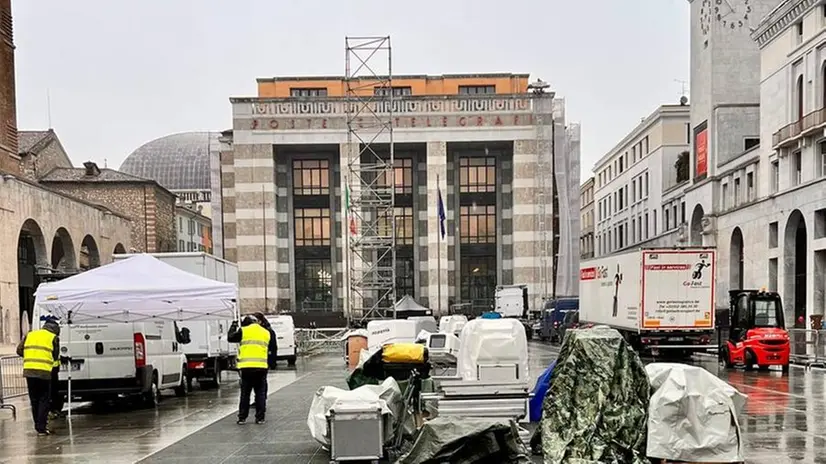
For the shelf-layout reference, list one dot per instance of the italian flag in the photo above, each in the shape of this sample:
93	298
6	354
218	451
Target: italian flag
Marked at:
353	228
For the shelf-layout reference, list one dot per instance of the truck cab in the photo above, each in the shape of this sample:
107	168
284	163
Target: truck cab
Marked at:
756	334
511	301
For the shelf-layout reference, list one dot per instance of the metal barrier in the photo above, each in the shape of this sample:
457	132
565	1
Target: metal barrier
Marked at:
12	382
808	347
310	342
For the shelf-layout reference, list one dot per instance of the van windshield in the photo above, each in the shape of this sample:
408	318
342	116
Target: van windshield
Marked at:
765	313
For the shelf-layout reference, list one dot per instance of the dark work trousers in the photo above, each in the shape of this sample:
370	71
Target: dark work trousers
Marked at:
39	391
56	404
253	380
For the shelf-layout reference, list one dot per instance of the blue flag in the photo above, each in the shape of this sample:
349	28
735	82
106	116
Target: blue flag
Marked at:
441	213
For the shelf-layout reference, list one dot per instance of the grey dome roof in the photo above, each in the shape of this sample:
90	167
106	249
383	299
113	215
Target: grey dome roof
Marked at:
177	161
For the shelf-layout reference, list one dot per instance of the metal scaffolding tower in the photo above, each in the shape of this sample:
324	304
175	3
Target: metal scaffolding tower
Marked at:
544	126
370	195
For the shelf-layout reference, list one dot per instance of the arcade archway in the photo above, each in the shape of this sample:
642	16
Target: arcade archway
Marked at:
31	254
696	235
735	262
794	266
89	253
63	251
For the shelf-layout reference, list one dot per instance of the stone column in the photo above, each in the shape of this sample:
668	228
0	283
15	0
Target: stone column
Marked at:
437	166
526	243
256	227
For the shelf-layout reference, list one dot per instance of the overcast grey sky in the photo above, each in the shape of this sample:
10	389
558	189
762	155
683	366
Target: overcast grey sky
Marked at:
121	73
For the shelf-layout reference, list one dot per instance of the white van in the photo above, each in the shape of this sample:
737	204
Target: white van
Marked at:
110	360
284	328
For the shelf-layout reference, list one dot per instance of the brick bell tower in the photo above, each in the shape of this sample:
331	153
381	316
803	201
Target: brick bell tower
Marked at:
8	108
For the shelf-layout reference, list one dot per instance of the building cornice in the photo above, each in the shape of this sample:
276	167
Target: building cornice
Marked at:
779	19
660	113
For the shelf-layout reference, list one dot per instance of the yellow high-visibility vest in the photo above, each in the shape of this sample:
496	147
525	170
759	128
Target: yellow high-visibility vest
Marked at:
252	353
38	351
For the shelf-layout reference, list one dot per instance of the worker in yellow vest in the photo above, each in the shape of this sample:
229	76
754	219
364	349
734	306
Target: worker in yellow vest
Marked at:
252	364
40	350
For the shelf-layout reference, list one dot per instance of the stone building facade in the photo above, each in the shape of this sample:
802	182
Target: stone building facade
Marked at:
283	180
586	219
8	104
150	206
41	230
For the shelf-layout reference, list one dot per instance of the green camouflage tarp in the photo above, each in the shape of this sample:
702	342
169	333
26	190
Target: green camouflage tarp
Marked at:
596	409
467	440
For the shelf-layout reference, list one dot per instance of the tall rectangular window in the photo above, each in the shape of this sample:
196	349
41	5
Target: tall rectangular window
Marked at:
478	279
308	92
646	226
621	236
313	284
312	227
749	186
477	89
666	222
821	155
646	184
682	212
633	230
724	198
311	177
477	224
404	225
402	174
654	221
736	191
797	168
645	145
477	175
775	176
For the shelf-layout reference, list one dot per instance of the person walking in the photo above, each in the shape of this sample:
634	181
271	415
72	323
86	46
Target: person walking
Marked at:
40	350
254	343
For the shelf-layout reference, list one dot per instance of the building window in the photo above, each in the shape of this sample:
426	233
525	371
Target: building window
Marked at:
750	142
477	175
478	281
821	165
724	198
736	192
621	199
654	222
682	212
799	97
645	145
621	236
311	177
775	176
646	184
477	224
799	29
797	168
308	92
181	245
645	227
639	228
749	186
633	231
666	222
397	91
313	284
621	167
404	277
403	176
404	225
312	227
477	89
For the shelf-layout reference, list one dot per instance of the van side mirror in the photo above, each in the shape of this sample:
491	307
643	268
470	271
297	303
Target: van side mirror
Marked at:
184	336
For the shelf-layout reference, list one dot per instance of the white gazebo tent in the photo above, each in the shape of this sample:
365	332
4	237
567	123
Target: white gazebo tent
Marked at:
137	289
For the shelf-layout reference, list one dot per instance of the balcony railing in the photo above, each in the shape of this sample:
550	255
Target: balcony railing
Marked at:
808	125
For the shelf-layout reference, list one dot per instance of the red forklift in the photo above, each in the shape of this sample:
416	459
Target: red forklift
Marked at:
756	333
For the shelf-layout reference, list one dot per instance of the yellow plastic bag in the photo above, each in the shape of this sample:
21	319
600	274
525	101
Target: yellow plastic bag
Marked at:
403	353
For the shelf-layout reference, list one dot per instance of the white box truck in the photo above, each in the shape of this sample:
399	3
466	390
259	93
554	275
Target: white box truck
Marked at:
209	353
657	298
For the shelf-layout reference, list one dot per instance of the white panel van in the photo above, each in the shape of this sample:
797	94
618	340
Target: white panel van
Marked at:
284	328
110	360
